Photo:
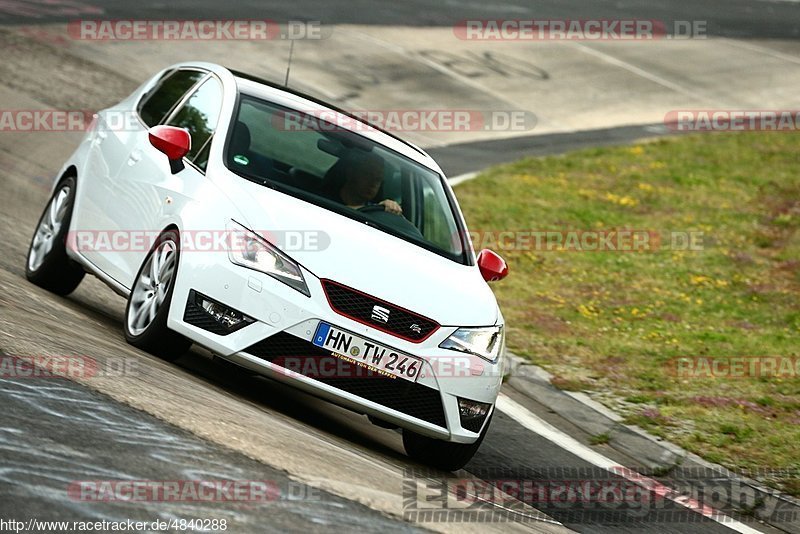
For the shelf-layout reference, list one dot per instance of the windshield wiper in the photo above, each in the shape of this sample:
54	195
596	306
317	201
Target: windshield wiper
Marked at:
260	180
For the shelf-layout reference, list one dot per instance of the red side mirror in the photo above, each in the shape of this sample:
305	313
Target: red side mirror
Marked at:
491	265
172	141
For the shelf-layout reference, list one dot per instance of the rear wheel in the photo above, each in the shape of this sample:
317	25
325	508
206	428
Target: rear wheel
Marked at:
48	265
148	304
440	454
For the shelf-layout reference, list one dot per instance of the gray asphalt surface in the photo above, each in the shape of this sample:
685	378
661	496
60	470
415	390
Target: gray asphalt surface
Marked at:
729	18
55	433
464	158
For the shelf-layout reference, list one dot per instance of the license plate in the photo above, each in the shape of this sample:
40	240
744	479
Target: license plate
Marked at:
368	353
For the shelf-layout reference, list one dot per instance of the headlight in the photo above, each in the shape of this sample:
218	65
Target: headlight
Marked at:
247	249
486	342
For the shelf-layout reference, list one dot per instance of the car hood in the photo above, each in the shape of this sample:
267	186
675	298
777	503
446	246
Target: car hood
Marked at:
367	259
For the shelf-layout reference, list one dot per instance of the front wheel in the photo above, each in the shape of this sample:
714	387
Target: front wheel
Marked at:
440	454
48	265
148	304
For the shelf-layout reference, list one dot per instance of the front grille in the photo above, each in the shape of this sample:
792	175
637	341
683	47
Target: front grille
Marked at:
303	357
360	307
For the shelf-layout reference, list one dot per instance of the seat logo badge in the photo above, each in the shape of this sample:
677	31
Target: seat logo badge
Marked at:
415	328
380	313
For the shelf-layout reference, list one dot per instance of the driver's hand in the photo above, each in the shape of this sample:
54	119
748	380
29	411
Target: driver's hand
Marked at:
391	206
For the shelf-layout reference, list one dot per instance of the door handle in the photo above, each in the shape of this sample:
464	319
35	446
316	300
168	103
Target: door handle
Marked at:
134	158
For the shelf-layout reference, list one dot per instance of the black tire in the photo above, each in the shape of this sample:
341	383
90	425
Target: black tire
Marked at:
53	270
440	454
156	338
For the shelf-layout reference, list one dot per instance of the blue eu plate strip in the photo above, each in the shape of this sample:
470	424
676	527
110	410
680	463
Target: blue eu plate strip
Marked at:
321	334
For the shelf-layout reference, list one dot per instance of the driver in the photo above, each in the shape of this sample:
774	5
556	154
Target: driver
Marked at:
363	177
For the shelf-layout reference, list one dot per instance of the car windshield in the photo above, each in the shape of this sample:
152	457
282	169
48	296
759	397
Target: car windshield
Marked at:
339	170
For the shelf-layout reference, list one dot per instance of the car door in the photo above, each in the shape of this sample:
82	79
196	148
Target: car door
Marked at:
147	190
117	132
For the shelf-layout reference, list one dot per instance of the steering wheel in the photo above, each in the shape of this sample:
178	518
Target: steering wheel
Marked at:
369	208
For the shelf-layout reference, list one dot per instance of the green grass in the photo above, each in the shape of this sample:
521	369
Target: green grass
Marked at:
614	323
600	439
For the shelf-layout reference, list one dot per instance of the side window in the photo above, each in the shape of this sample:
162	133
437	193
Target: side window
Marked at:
199	114
201	161
161	99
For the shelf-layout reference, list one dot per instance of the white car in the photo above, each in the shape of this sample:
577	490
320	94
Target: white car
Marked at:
288	237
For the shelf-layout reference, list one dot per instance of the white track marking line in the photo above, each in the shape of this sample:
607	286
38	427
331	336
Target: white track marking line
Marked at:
640	72
454	181
544	429
762	50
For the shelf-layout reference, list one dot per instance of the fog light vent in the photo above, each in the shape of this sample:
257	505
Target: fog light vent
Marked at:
209	314
472	413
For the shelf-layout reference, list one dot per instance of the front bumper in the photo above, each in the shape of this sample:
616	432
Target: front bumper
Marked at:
285	321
